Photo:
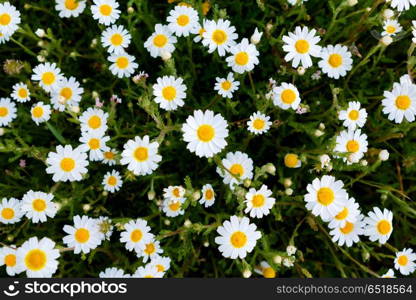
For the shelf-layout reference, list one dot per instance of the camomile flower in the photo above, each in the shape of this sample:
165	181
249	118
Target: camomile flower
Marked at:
388	274
40	112
199	31
239	167
38	206
400	102
162	263
67	164
219	36
391	27
286	96
354	116
256	36
208	195
94	143
402	5
161	41
352	142
349	213
237	237
326	197
379	225
226	86
243	57
176	192
259	123
336	61
265	270
10	211
169	92
292	160
7	111
70	8
116	38
140	155
258	202
205	133
349	233
20	92
48	75
4	38
38	258
136	235
123	64
182	20
84	236
405	261
109	157
93	119
105	11
300	46
112	181
8	258
173	208
148	271
113	273
151	249
105	227
67	92
9	18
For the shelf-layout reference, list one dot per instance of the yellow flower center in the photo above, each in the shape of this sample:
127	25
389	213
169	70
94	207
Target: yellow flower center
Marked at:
325	196
174	205
403	102
67	164
237	169
343	214
7	213
116	39
37	112
4	111
66	93
150	248
219	36
226	85
176	192
10	260
209	194
122	62
109	155
112	180
35	259
71	4
402	260
353	146
160	40
22	93
335	60
94	144
5	19
160	268
258	200
201	31
269	273
302	46
39	205
48	78
205	133
288	96
353	115
106	10
141	154
347	228
82	235
136	235
238	239
183	20
291	160
259	124
241	58
94	122
383	227
390	29
169	93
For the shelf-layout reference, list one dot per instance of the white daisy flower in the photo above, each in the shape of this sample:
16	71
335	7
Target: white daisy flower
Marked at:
123	64
113	273
94	143
292	160
48	75
336	61
162	263
388	274
9	18
354	116
21	92
109	157
391	27
40	112
219	36
182	20
105	227
70	8
237	237
67	92
84	236
8	258
259	123
67	164
238	165
151	250
112	181
93	119
300	46
259	202
265	270
38	258
326	197
173	208
161	41
4	38
286	96
105	11
379	225
352	142
349	213
348	233
400	102
243	57
176	192
116	38
405	261
402	5
140	155
256	36
38	206
10	211
226	86
7	111
205	133
169	92
148	271
208	195
136	235
199	31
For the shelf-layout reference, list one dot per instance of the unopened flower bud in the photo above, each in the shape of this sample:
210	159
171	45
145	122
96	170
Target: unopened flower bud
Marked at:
384	155
247	273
